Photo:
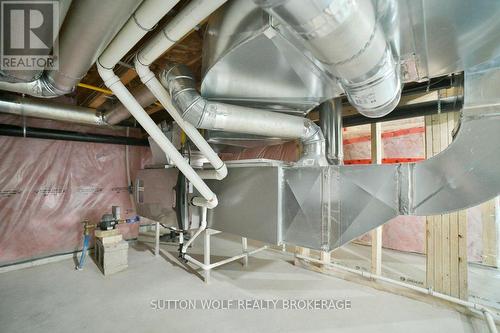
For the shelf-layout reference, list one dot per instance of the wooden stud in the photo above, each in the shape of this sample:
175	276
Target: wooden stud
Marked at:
446	246
325	257
490	234
429	243
462	255
454	284
303	251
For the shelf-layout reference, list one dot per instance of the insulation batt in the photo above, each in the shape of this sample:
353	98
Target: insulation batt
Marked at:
47	187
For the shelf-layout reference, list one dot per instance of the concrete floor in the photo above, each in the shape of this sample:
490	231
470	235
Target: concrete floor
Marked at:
56	298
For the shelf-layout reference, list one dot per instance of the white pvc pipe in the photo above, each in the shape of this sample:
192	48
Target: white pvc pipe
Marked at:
149	79
194	13
206	254
118	88
244	247
202	227
240	119
157	239
488	314
490	322
225	261
142	21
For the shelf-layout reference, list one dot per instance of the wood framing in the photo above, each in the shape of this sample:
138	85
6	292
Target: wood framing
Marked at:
491	249
446	243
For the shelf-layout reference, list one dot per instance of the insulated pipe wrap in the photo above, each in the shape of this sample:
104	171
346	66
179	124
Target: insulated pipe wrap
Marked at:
39	108
225	117
87	29
239	119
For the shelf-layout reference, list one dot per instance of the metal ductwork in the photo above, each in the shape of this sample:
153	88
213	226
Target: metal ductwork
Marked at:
330	122
212	115
46	109
346	36
88	28
253	59
326	207
119	112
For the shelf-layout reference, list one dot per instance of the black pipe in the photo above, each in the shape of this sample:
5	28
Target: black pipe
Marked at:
450	104
433	84
437	83
43	133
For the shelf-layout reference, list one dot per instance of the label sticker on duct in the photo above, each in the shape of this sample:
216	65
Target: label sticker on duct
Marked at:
9	193
375	95
366	100
52	191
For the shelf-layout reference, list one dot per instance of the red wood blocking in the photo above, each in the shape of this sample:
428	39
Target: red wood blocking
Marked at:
392	134
385	160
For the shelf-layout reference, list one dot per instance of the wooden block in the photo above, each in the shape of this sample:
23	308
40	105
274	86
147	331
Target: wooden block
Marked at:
111	258
111	239
325	257
301	251
376	262
98	233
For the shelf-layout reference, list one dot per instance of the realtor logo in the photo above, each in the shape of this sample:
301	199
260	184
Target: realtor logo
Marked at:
28	34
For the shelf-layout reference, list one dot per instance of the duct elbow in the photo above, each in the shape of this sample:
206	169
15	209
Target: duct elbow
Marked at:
362	57
180	83
313	145
42	87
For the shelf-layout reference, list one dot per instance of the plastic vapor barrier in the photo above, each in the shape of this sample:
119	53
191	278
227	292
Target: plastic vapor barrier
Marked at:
48	187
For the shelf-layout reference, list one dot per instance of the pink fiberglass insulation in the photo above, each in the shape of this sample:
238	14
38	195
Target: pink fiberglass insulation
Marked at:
47	187
284	152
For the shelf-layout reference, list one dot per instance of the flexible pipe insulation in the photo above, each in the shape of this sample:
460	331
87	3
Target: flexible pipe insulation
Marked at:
213	115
